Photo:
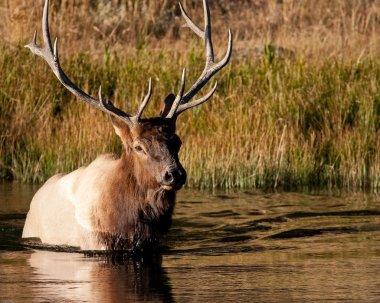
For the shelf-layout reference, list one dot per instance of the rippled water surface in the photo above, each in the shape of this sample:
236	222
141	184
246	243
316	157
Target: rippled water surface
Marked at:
235	247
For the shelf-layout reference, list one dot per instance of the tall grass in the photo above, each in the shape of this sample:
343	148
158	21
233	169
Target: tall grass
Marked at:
273	122
310	118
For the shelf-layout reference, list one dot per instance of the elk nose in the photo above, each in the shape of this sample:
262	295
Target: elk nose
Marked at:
174	178
168	178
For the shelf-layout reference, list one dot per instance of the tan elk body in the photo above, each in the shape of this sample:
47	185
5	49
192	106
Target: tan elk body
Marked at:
126	202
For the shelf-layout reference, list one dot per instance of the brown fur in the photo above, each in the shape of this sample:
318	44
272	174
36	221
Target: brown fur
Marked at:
135	210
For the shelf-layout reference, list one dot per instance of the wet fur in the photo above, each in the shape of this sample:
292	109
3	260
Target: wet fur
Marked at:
135	211
134	214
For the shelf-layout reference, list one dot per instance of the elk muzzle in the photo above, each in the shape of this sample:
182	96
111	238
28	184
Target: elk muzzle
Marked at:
174	178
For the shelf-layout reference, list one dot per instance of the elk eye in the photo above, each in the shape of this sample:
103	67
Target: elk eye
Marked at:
139	149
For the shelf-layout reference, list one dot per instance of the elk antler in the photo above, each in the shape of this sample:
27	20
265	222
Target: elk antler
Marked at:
50	55
211	68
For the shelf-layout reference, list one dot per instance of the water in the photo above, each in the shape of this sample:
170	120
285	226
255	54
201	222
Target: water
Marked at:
238	247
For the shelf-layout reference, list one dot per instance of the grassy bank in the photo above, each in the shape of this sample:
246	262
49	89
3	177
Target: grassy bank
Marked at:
273	122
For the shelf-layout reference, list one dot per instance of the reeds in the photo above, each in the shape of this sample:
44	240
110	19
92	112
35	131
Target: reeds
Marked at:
306	114
273	122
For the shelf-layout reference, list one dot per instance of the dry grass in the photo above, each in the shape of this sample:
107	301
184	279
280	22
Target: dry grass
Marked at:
273	123
309	27
309	119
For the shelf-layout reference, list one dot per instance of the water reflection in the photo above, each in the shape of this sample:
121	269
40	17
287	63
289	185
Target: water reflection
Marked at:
69	277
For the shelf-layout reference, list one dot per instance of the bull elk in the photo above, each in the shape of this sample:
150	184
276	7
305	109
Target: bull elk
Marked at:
120	203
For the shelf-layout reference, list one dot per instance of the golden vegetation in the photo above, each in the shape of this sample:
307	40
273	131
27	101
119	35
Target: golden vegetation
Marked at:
312	27
306	114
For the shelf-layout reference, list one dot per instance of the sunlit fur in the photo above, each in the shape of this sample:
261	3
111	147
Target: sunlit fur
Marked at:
115	203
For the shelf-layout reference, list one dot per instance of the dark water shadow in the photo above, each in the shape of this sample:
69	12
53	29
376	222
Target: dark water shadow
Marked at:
10	232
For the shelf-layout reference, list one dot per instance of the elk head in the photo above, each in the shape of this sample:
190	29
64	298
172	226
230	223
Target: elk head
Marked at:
153	147
152	143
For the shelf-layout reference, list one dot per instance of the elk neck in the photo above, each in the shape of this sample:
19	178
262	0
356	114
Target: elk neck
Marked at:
137	190
134	208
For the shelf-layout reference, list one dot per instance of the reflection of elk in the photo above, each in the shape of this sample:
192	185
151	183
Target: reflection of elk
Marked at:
79	279
121	203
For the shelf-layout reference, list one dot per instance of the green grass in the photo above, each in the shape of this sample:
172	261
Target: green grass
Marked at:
272	123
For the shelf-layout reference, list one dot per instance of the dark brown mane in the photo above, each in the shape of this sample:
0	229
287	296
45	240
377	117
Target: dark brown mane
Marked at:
151	221
135	208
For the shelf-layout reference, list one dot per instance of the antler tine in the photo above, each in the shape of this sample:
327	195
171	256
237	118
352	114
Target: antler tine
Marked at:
50	55
45	27
179	96
207	35
211	68
197	102
190	22
144	102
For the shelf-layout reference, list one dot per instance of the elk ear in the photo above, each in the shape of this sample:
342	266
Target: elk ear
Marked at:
121	128
167	105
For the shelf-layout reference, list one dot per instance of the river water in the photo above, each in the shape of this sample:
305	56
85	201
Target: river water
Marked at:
223	247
